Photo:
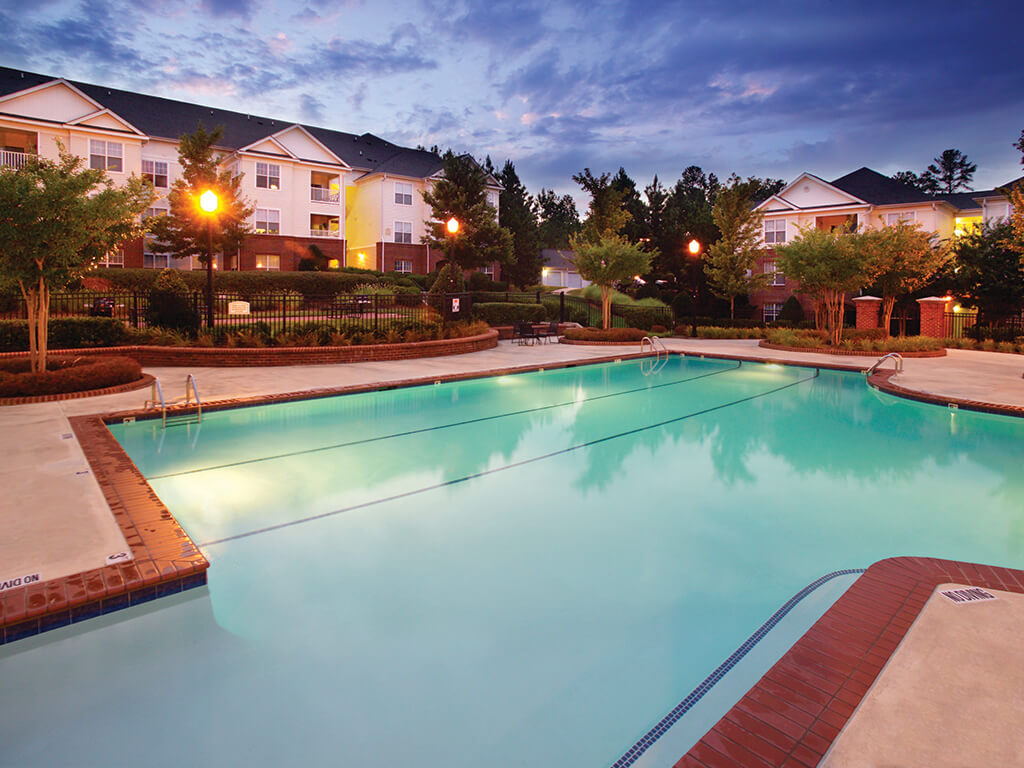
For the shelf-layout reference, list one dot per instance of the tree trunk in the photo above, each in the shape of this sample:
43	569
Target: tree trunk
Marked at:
606	307
43	324
887	304
31	312
732	313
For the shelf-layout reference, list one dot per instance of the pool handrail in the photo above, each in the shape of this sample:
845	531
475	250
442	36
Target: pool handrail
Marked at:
897	363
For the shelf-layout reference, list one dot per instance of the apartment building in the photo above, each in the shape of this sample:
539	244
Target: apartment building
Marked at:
863	198
359	198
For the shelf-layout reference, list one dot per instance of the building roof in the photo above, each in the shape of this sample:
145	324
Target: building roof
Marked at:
170	119
872	187
556	259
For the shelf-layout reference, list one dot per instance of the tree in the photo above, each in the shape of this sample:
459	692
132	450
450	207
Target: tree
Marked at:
686	214
605	262
635	230
462	193
184	230
950	173
902	258
1015	194
827	264
57	219
987	271
911	179
606	215
518	213
559	219
731	260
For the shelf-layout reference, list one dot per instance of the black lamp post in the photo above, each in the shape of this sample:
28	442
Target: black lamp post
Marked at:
694	248
208	202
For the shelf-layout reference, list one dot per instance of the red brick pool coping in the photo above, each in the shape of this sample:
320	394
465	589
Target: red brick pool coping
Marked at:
790	718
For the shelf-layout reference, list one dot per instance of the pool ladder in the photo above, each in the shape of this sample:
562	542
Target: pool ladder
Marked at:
648	367
156	399
897	359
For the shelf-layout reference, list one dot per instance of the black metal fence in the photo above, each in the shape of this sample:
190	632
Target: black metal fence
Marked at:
981	326
285	310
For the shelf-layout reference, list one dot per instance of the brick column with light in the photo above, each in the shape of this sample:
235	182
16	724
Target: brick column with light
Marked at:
869	308
933	315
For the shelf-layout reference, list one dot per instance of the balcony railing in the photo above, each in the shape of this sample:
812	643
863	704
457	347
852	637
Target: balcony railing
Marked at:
13	159
322	195
325	233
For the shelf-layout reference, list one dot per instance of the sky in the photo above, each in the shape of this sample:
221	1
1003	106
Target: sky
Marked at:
755	88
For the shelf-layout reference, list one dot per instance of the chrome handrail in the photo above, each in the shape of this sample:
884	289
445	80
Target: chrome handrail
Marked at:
897	363
156	391
195	391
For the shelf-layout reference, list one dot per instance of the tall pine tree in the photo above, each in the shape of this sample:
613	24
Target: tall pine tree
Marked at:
518	214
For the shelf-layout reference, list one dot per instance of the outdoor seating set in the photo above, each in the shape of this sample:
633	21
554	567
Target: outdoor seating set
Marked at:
527	333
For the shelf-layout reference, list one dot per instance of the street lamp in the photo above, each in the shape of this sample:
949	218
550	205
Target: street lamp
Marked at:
208	202
452	225
694	248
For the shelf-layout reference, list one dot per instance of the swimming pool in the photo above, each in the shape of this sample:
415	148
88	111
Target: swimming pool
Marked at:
526	570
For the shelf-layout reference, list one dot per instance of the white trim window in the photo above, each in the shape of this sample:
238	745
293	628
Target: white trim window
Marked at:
156	172
488	270
268	261
404	266
268	176
492	199
906	217
112	259
774	231
775	277
403	193
106	155
403	232
770	312
152	260
268	221
151	212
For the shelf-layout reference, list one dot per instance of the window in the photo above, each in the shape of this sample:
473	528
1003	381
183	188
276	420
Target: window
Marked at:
492	199
114	259
156	172
268	221
403	265
907	217
268	176
771	312
774	276
268	261
488	270
150	212
403	231
774	231
156	260
403	193
106	155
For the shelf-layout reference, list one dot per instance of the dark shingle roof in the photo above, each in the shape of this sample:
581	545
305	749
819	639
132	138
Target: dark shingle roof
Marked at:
551	257
167	118
872	187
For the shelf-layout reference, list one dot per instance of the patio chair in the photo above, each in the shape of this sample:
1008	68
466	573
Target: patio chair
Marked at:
524	333
551	332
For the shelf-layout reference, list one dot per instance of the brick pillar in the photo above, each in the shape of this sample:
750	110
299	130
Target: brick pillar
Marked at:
933	315
869	308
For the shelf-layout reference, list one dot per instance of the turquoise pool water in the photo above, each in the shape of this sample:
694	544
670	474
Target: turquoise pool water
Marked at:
522	571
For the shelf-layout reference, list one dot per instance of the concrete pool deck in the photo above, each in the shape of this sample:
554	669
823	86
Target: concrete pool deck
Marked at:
59	522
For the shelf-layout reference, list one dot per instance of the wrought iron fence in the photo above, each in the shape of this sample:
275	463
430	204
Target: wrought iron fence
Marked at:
981	326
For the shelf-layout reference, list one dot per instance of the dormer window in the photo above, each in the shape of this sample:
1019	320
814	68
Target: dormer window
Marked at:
106	155
268	176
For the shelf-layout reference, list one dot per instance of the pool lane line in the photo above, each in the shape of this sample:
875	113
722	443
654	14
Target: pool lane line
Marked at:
495	470
421	430
647	740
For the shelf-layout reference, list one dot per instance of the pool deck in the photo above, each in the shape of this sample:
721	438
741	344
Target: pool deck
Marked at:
59	519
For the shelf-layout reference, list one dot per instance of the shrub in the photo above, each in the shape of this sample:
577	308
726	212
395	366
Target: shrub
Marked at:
478	281
640	315
170	306
866	334
449	280
681	305
612	334
717	332
502	313
66	375
816	340
792	311
66	333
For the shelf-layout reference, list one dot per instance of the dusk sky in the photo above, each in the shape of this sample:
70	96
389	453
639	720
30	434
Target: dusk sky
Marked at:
766	89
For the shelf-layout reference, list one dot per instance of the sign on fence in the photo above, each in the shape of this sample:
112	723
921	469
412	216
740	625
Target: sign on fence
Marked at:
238	307
455	305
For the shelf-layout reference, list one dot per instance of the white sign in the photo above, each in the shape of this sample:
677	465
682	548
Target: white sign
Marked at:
455	305
238	307
21	581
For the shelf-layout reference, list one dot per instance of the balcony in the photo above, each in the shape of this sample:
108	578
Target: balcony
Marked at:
324	226
325	233
323	195
13	159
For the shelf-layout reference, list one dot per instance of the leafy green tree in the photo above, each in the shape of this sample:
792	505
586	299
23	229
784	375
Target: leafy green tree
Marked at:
606	215
1015	239
635	230
731	260
518	214
686	214
950	172
987	271
184	230
911	179
462	193
902	259
828	265
607	261
559	219
57	219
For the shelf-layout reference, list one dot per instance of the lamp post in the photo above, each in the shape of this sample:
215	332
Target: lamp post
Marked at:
452	225
694	248
208	202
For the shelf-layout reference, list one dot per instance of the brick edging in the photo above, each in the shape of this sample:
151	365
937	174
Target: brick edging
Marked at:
796	710
848	352
582	343
882	381
165	560
215	357
131	386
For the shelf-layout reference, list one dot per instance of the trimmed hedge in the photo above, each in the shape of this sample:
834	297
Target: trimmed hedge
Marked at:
639	316
247	283
612	334
66	333
66	374
501	313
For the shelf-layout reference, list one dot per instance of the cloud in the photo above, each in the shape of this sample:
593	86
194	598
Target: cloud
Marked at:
243	9
311	108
